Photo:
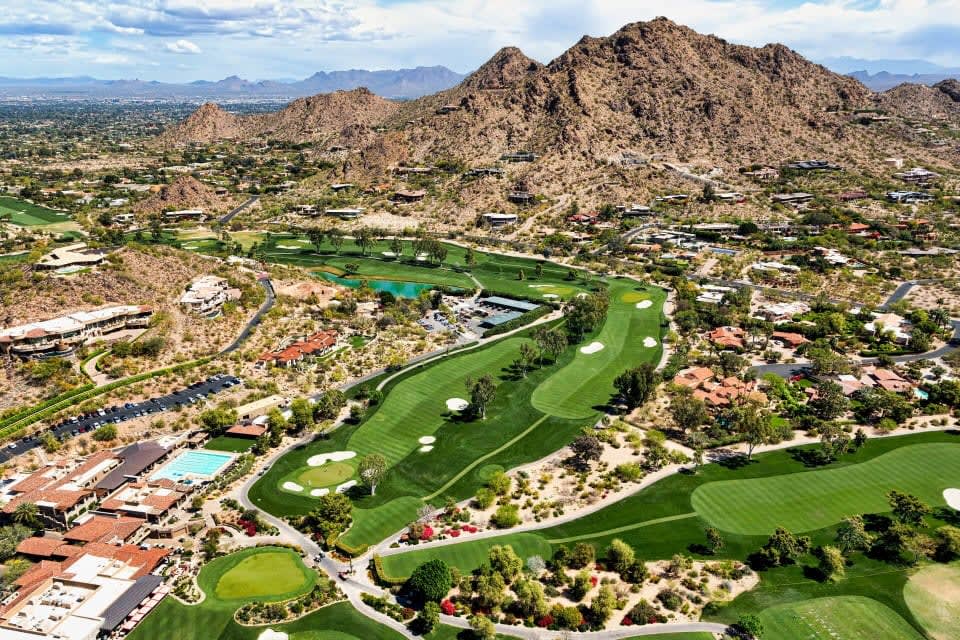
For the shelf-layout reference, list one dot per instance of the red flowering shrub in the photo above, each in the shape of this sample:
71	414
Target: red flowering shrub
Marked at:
427	533
447	608
545	621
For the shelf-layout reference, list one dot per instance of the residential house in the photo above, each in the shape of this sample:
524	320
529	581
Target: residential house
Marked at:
792	199
764	174
728	337
778	312
317	345
787	339
152	500
63	334
74	255
813	165
519	156
917	175
852	195
207	294
183	214
499	219
346	213
890	323
248	431
520	197
404	195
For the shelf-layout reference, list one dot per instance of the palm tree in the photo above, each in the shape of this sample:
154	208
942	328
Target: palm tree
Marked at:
26	514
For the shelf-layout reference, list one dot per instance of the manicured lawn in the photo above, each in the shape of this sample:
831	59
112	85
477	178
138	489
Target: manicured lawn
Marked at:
695	635
467	555
24	214
933	595
229	443
586	384
840	618
816	499
267	574
277	574
326	475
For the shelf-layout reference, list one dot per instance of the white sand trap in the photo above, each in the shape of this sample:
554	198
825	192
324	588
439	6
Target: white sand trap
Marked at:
550	295
593	347
427	448
421	257
649	342
389	254
316	493
582	295
346	486
644	304
270	634
952	498
289	246
336	456
539	286
427	440
457	404
190	247
292	486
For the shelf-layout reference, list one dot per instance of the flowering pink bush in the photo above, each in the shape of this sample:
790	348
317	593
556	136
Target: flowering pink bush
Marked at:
447	608
427	533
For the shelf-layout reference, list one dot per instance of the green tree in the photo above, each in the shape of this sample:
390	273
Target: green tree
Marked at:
336	239
316	237
585	450
783	548
619	556
505	561
603	605
429	617
687	411
832	565
331	516
500	483
580	586
10	537
531	600
218	420
714	539
469	257
26	514
50	442
329	404
371	470
106	433
829	403
908	509
430	582
482	391
490	590
752	423
396	246
852	535
528	354
582	555
363	238
948	543
301	414
636	385
750	626
483	629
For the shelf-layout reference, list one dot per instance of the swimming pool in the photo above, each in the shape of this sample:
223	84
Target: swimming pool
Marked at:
194	465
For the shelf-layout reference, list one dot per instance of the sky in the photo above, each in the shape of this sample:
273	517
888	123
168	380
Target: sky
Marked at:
184	40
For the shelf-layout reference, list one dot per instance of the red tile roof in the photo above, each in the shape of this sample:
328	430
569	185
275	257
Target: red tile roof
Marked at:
104	529
247	430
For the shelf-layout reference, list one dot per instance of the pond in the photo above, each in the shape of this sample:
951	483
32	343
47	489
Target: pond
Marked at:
398	289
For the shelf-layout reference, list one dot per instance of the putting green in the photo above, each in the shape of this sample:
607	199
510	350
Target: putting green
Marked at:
324	476
815	499
837	618
933	596
586	383
271	572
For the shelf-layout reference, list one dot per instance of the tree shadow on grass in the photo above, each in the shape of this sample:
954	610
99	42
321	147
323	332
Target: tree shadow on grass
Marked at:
810	458
729	459
948	515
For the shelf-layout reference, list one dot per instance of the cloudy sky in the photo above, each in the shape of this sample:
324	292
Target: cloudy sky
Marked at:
182	40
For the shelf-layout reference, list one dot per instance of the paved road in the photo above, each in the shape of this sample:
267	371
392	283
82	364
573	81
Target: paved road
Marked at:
255	320
249	203
92	421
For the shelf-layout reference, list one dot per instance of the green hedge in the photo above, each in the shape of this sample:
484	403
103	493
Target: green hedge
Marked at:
20	415
346	549
516	323
381	576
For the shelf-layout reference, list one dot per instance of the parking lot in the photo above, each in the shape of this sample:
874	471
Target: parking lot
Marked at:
90	422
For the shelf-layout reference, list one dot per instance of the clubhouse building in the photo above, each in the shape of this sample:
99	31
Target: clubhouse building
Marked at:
66	333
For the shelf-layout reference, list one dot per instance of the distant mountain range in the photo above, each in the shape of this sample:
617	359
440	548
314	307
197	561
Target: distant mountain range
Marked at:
884	80
396	83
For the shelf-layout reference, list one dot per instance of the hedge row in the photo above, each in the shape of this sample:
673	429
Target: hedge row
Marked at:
381	576
20	415
516	323
346	549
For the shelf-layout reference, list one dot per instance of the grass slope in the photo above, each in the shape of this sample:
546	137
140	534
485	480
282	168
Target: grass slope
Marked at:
229	443
585	385
933	595
841	618
25	214
817	499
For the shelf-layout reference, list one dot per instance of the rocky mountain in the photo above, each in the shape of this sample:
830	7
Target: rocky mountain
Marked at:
400	84
185	192
305	119
919	101
653	87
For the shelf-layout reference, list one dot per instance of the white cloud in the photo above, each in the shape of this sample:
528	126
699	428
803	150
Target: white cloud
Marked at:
183	46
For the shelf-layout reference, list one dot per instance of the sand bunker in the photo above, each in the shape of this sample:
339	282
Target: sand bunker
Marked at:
289	246
346	486
427	440
644	304
292	486
952	498
593	347
270	634
426	448
316	493
582	295
389	254
457	404
550	295
649	342
336	456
